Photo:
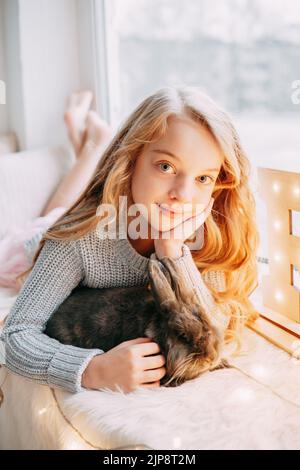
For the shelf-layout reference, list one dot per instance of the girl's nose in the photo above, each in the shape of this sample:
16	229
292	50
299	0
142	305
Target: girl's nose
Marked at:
182	192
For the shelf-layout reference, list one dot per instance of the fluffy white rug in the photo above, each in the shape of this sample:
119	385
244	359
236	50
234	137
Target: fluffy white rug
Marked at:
220	410
224	409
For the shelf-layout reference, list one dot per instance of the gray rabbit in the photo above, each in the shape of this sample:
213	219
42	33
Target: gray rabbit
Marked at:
168	313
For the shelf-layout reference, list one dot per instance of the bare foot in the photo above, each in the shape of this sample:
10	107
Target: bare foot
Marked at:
75	118
98	135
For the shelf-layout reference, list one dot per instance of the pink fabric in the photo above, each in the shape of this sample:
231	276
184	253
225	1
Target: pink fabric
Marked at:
18	246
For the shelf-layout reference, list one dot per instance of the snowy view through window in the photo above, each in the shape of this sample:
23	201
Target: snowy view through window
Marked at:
244	53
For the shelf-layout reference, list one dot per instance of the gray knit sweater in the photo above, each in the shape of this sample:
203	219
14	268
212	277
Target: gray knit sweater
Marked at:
60	267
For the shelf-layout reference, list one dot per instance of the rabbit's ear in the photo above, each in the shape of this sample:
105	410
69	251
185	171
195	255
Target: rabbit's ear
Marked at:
160	285
180	288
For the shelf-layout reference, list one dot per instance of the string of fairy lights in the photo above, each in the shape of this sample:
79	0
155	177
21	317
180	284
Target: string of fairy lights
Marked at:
278	256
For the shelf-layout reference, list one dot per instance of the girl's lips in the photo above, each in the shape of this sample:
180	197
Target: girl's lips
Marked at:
169	213
166	212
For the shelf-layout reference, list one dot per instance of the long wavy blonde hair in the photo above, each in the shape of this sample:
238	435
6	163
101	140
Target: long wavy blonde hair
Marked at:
231	236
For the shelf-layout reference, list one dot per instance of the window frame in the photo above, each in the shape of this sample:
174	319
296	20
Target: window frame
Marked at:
105	60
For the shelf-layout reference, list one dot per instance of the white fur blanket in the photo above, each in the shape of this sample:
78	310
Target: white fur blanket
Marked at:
223	409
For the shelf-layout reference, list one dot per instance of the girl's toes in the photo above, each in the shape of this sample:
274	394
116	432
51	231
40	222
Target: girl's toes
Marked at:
75	117
80	99
73	133
98	131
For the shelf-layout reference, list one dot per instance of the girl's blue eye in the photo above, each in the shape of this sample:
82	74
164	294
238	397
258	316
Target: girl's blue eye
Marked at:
210	179
164	164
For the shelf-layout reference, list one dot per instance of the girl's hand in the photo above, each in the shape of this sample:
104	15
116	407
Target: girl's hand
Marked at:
171	247
131	364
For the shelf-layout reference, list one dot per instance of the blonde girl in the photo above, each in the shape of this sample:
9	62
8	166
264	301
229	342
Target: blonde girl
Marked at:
177	152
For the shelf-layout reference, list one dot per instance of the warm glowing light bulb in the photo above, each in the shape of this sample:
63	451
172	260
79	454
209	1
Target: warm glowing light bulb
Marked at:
276	187
277	224
277	257
279	296
297	191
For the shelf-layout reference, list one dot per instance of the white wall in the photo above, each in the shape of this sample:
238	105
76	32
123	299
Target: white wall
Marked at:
3	108
42	68
49	54
50	66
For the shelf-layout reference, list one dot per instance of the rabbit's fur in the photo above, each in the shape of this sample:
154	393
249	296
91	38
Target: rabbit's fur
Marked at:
168	313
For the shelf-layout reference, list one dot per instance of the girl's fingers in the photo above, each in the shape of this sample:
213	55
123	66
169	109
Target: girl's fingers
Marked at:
153	375
147	348
153	362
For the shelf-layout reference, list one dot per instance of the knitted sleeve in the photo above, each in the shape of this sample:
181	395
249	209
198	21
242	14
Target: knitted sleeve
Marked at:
193	278
28	351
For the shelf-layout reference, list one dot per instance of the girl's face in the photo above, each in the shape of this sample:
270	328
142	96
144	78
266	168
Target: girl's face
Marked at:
179	170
